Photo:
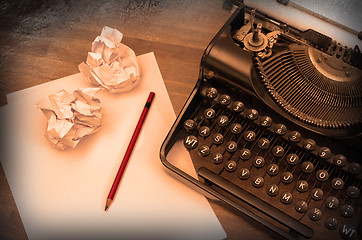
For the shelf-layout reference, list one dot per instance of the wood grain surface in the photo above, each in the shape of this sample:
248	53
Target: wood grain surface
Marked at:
46	40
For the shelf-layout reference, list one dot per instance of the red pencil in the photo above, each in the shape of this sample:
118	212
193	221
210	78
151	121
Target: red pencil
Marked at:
129	150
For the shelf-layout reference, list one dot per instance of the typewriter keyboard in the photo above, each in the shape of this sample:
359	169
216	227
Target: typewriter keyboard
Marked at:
253	158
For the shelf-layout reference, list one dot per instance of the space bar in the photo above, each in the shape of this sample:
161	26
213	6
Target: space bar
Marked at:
256	203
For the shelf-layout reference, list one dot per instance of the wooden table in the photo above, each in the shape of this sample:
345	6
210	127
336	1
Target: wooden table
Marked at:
49	40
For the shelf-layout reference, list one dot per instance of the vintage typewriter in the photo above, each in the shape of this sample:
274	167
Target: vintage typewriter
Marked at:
273	127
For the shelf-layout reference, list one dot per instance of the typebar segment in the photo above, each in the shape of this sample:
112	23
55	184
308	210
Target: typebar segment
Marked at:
256	202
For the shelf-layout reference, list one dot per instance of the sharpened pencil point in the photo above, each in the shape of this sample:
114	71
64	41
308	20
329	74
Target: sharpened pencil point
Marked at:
108	203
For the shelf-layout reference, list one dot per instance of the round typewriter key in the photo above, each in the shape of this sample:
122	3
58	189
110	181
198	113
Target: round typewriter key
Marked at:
280	129
347	211
266	121
347	232
302	186
355	168
217	158
189	124
286	198
252	114
337	183
278	151
324	152
211	93
190	142
235	128
225	100
223	121
249	136
286	177
339	160
272	190
332	202
258	162
209	113
301	206
307	167
263	143
353	192
315	214
331	223
309	144
218	138
237	106
245	154
322	175
317	194
273	169
231	146
204	131
258	181
230	166
294	136
244	173
204	150
292	159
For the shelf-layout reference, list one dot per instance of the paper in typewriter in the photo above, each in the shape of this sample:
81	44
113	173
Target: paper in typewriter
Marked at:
61	194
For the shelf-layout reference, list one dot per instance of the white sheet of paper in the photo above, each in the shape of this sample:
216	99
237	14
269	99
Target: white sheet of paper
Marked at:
61	194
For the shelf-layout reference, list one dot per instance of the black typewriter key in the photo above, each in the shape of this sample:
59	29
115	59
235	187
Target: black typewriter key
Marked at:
231	146
317	194
347	232
307	167
272	169
322	175
252	114
353	192
204	150
355	168
189	124
347	211
249	136
286	198
309	144
332	202
339	160
280	129
258	162
209	113
245	154
337	183
235	128
324	152
294	136
211	93
217	158
225	100
302	186
278	151
272	190
204	131
315	214
230	166
244	173
266	121
190	142
223	121
258	181
286	177
264	143
331	223
218	139
301	206
237	106
292	159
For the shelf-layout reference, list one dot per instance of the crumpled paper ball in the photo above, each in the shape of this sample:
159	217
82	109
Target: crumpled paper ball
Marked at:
111	64
71	116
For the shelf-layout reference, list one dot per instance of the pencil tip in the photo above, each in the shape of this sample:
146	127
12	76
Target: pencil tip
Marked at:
105	209
108	203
